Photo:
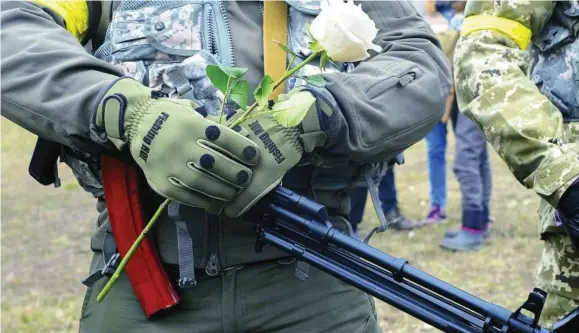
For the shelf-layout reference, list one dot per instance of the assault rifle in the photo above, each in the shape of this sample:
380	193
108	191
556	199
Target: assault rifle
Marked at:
301	227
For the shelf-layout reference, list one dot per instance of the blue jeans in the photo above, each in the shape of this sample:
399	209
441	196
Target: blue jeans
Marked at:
473	171
436	150
386	193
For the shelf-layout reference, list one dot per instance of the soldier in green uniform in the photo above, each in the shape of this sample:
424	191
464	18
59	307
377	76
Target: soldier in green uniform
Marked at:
113	100
517	78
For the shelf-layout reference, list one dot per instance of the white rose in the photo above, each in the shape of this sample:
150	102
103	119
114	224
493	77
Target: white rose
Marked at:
344	31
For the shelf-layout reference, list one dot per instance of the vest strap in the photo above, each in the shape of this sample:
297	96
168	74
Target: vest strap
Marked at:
184	248
274	28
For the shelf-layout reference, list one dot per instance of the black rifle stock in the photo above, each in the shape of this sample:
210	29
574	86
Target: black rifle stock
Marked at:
300	227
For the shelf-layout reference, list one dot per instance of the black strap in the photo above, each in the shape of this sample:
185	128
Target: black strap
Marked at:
104	19
94	16
111	258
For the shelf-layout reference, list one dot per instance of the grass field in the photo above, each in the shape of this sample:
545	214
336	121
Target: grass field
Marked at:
45	242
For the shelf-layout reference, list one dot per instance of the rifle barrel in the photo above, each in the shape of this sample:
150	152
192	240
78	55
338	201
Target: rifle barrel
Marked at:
391	294
434	301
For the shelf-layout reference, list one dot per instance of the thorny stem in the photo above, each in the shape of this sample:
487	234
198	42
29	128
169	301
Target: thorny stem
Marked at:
291	62
286	75
131	251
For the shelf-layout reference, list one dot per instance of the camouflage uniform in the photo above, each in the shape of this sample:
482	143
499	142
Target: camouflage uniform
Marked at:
528	119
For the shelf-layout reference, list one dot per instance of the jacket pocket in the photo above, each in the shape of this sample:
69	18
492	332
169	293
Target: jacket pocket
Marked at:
403	111
159	33
400	76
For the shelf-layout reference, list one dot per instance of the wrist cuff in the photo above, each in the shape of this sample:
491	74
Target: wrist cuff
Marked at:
114	108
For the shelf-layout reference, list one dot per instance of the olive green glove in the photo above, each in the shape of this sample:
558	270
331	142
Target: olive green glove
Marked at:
280	150
185	156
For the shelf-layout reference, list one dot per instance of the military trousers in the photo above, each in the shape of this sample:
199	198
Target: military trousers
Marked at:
558	275
262	297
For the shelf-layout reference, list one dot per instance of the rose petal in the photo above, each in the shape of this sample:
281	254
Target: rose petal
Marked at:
344	31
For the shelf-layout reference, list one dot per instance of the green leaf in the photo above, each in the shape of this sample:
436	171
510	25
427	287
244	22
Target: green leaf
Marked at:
285	48
217	77
220	75
315	46
263	90
233	72
315	80
292	111
239	93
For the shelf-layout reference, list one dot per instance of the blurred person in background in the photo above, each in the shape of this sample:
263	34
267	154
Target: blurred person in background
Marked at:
471	168
472	165
436	139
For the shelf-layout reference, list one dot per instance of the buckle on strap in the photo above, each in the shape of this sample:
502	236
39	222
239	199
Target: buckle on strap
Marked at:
111	257
108	270
218	272
373	177
184	248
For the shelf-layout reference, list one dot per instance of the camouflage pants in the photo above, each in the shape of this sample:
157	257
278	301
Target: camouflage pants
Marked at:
558	274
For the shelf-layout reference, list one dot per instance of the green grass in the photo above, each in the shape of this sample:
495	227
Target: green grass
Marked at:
46	231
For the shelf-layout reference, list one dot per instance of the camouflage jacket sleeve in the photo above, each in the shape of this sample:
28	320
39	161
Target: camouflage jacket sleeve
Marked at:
493	89
50	83
391	100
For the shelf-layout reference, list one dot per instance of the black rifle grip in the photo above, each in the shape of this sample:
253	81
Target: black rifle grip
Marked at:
43	162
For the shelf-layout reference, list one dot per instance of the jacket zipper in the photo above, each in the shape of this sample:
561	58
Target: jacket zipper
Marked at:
211	39
227	32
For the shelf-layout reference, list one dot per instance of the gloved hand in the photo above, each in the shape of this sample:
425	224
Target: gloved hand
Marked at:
280	150
568	213
185	156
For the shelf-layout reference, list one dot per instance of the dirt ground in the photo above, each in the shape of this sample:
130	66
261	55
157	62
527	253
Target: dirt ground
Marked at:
45	242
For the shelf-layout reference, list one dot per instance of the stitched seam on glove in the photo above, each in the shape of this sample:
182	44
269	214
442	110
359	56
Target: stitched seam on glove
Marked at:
293	139
141	110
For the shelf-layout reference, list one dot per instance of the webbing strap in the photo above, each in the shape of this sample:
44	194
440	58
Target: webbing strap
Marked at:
111	259
184	248
178	78
373	189
274	28
185	90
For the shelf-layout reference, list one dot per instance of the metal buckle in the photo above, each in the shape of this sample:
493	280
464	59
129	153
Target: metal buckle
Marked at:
108	270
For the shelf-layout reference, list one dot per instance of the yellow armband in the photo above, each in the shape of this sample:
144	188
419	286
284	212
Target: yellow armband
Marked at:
75	14
517	32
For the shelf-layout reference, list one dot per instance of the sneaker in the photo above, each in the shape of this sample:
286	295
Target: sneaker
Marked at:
464	241
435	216
454	232
397	221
